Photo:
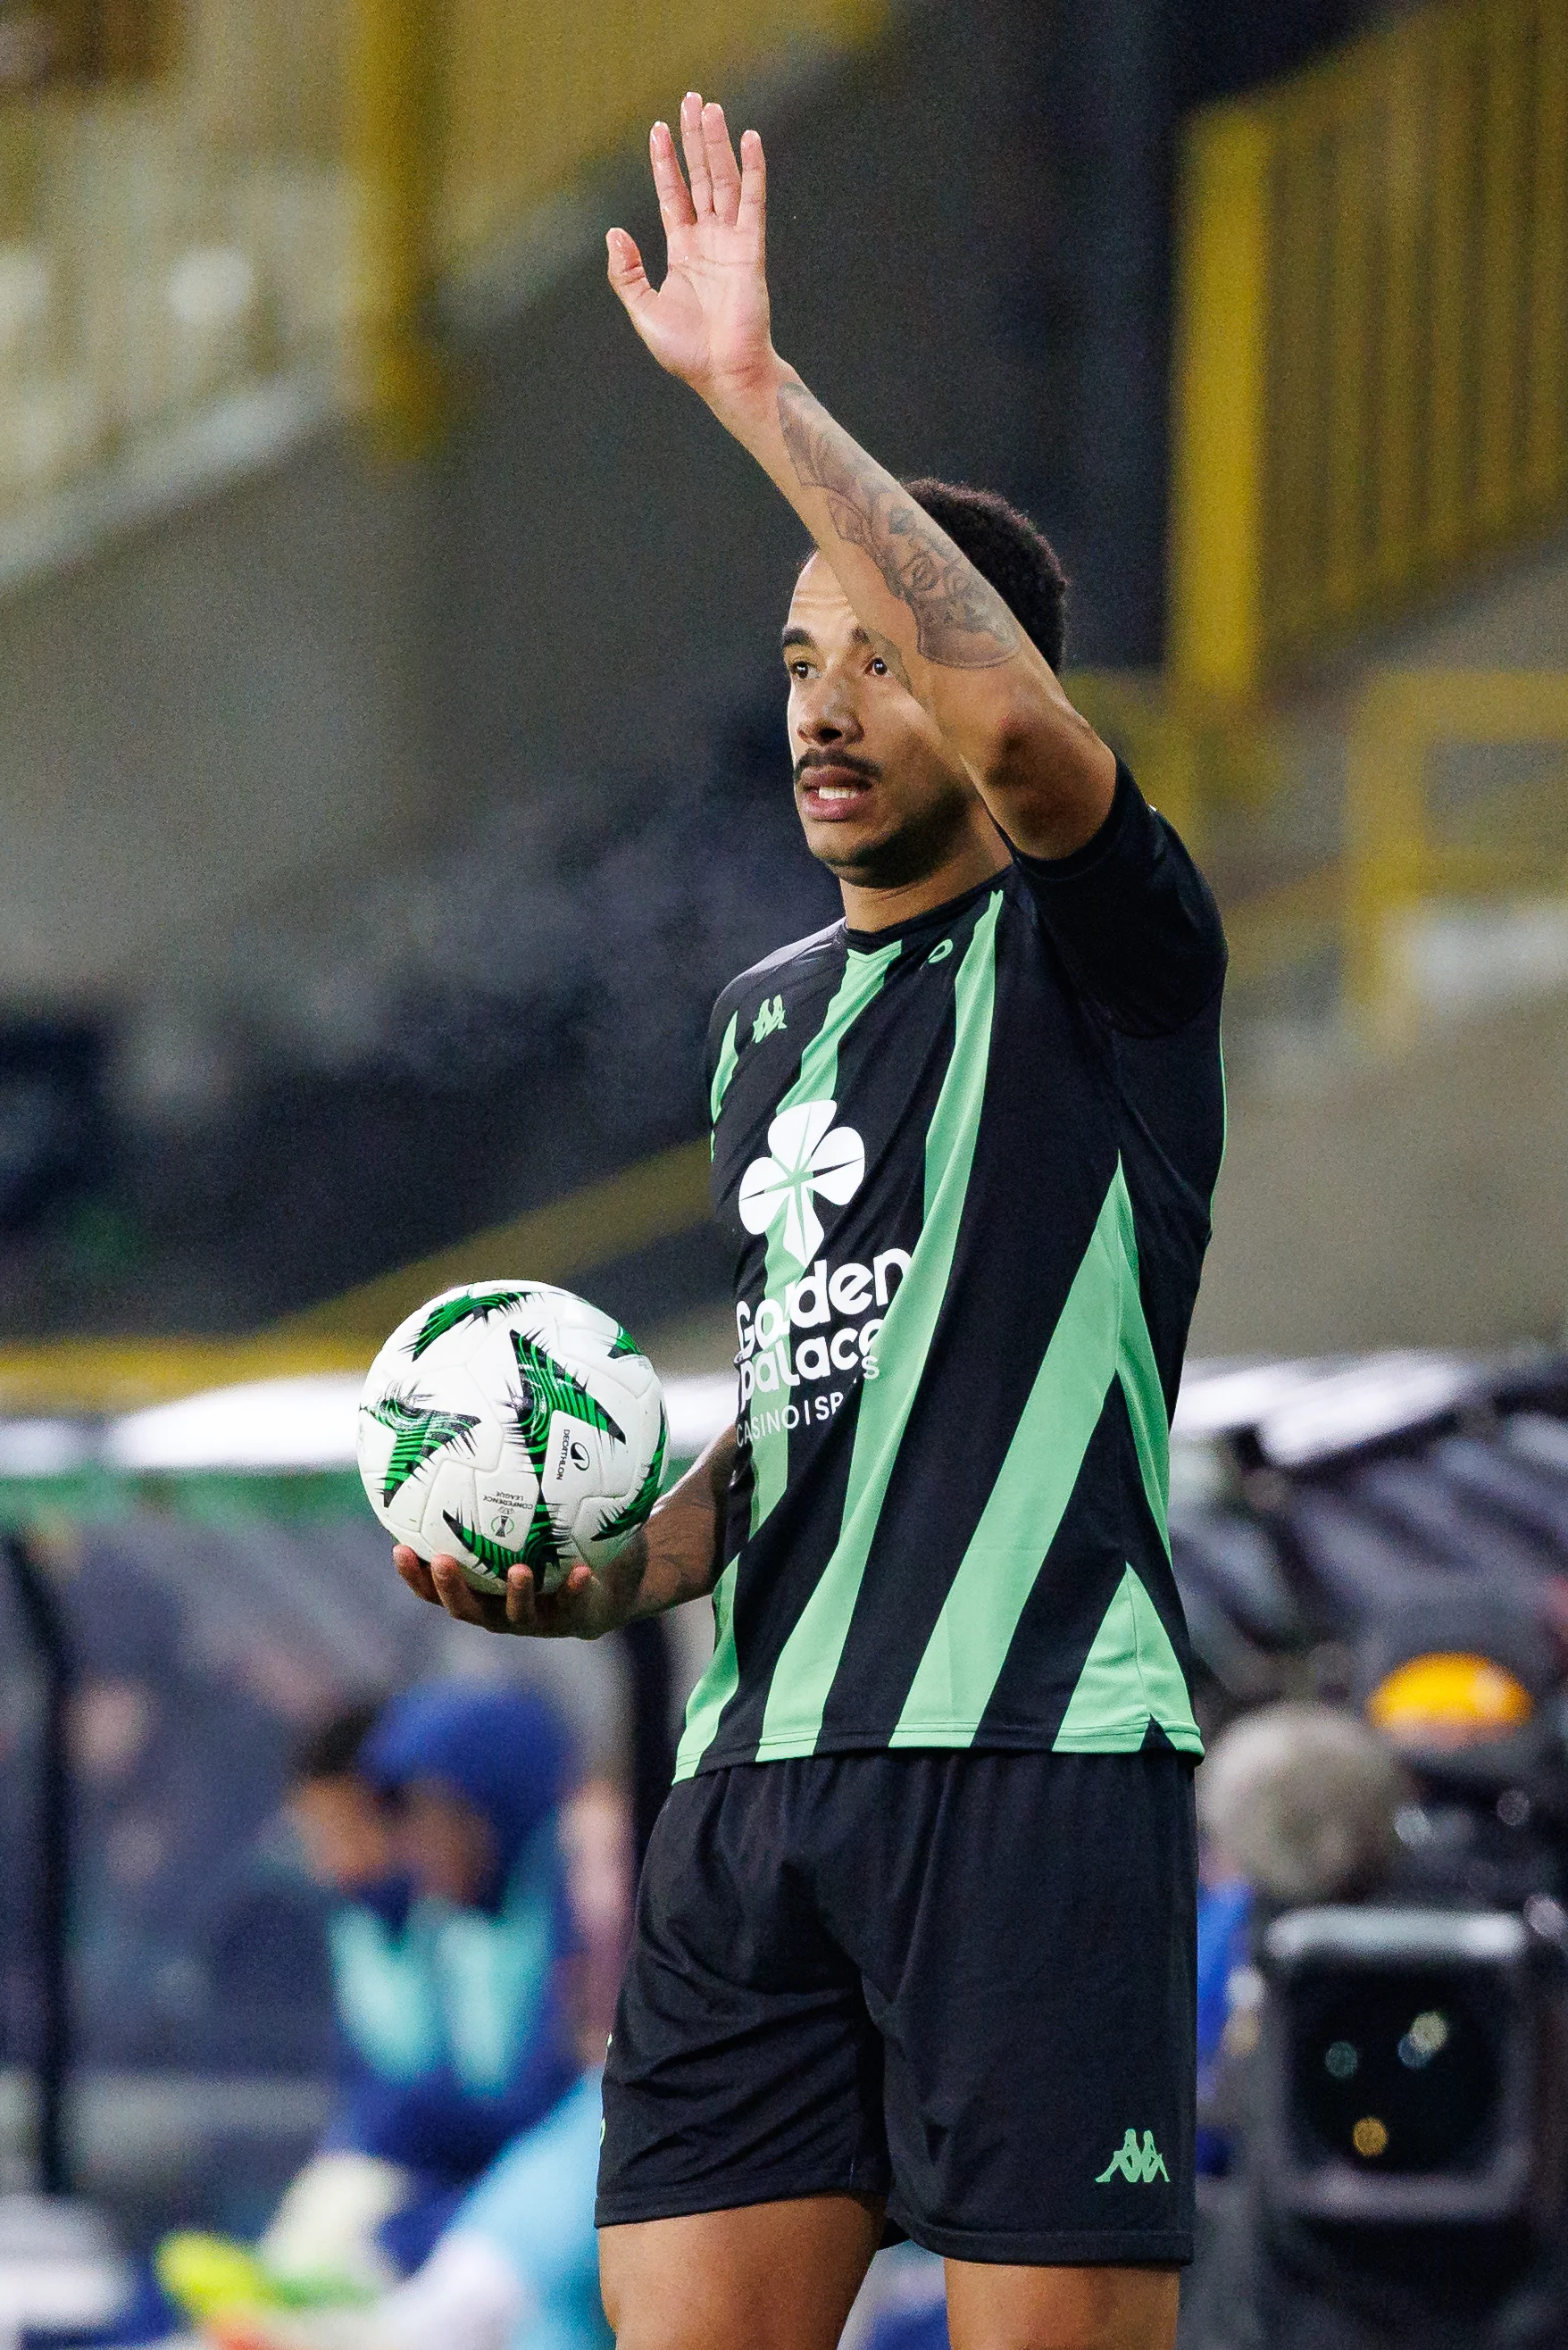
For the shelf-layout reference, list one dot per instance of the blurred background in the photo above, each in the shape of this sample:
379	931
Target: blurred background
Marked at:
379	634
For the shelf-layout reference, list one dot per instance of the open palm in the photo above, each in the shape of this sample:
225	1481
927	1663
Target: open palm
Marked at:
708	323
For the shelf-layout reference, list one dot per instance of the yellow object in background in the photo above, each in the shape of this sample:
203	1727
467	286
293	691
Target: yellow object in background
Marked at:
1371	335
208	2276
211	2278
1448	1701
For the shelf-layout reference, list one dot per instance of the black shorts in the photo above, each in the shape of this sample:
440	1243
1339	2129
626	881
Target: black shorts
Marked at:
961	1981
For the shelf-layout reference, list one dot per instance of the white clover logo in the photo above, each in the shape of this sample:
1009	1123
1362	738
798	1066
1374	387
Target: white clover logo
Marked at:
808	1154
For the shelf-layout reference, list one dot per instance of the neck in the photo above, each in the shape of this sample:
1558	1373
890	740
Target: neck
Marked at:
975	856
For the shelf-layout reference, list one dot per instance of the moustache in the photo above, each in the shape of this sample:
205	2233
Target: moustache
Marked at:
812	759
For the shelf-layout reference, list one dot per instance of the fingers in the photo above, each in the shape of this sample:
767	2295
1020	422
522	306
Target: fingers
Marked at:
566	1602
723	171
675	208
522	1608
694	146
719	186
552	1615
754	204
522	1601
415	1572
460	1600
627	273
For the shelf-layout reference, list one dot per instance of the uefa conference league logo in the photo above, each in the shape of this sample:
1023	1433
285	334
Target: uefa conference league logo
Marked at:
807	1155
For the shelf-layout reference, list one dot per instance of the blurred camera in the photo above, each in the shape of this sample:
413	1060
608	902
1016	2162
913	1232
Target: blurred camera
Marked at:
1398	2077
1405	2067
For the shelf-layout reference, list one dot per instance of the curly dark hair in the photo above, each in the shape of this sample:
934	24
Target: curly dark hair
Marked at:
1006	549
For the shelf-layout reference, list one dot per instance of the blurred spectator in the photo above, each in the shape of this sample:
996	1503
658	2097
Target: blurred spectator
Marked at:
516	2270
450	1984
1299	1802
903	2303
912	2329
1224	1936
1296	1803
439	1823
340	1818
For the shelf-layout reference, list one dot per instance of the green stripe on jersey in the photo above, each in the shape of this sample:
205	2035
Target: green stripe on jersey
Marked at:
1139	1373
1130	1677
728	1057
1102	1335
818	1078
718	1684
968	1648
817	1081
803	1675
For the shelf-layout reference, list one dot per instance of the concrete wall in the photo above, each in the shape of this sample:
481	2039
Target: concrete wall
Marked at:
200	717
1422	1201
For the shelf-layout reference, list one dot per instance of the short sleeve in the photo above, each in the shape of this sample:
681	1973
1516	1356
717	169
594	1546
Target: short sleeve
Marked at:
721	1051
1132	918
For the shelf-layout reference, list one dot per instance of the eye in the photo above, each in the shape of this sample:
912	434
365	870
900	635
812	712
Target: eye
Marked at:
879	666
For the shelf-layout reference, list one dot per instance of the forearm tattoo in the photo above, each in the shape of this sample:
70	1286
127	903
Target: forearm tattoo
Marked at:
961	621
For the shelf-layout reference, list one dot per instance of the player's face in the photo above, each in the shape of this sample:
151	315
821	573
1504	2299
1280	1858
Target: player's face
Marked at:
880	796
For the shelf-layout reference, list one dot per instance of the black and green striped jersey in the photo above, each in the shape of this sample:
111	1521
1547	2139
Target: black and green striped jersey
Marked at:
965	1165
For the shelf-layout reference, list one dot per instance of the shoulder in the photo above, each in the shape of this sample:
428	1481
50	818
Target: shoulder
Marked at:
803	958
1133	919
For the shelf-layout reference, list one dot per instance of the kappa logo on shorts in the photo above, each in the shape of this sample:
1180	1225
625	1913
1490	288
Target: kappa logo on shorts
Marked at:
1139	2166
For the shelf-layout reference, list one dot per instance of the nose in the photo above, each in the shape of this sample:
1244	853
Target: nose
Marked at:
825	712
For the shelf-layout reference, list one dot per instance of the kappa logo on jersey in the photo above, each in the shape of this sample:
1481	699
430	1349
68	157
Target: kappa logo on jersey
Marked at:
1139	2166
770	1019
808	1155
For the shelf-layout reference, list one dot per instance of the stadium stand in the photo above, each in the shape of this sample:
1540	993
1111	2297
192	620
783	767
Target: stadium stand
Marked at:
401	948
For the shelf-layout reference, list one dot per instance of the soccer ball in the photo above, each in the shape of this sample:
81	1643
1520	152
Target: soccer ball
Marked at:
509	1423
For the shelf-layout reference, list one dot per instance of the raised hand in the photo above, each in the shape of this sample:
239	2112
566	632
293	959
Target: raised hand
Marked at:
708	323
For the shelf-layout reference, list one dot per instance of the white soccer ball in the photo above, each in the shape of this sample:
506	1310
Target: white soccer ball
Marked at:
508	1423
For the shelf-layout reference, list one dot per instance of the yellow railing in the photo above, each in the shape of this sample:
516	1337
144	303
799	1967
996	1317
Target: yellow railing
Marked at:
270	201
168	240
1455	795
1414	838
1371	336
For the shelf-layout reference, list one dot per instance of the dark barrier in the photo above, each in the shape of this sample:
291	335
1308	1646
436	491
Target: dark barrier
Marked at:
42	1614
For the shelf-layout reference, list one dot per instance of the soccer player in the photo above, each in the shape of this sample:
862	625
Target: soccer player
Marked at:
914	1943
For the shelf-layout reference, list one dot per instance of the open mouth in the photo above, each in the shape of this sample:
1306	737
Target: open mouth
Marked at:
831	792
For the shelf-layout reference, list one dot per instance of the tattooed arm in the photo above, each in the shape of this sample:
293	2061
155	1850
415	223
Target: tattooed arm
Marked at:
959	621
945	633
